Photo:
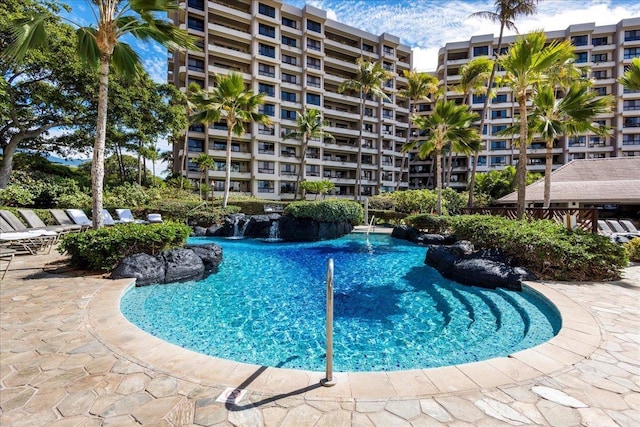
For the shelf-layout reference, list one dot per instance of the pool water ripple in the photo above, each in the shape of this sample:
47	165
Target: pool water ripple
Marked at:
266	306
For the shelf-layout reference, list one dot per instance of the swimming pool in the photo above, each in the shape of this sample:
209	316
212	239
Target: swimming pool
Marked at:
266	306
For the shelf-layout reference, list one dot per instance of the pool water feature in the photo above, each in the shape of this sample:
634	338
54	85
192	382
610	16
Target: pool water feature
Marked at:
266	306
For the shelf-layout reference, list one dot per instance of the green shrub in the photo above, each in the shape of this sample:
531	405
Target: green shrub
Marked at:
384	216
429	223
74	201
545	247
255	207
633	249
16	195
208	217
382	202
327	210
103	249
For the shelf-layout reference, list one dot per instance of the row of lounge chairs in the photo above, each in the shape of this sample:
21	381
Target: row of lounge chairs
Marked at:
618	229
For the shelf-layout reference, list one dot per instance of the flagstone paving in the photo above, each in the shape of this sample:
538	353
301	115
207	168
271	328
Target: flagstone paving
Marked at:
67	358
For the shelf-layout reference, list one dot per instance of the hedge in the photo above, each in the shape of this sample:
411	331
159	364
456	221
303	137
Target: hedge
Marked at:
633	249
545	247
430	223
327	210
104	248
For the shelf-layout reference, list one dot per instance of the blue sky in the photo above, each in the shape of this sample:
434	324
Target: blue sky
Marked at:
425	25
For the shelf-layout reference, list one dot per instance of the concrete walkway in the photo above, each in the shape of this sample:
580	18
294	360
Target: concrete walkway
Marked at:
69	358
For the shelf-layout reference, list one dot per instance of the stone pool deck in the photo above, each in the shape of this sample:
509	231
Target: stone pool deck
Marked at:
68	358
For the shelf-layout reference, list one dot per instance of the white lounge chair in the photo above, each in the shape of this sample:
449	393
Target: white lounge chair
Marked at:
28	242
629	226
620	230
125	216
79	217
35	222
108	220
154	218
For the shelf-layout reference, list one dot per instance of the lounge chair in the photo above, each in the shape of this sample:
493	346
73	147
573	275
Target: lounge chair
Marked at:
35	222
107	219
605	230
27	242
629	226
79	217
619	229
5	226
125	216
17	225
63	219
154	218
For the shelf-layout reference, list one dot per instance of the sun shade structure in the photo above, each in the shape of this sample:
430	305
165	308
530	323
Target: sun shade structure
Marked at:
614	180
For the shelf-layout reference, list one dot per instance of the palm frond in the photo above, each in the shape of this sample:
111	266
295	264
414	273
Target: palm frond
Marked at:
25	34
87	46
125	60
631	77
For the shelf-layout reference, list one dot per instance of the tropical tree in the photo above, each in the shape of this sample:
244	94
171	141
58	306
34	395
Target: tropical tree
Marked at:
103	46
631	77
369	82
504	13
318	187
420	86
231	102
526	64
310	125
448	124
189	107
204	162
572	114
473	79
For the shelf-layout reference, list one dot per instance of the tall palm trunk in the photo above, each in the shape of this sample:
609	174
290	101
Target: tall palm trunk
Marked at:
303	165
184	157
439	181
547	174
521	174
359	159
404	155
227	179
485	107
97	166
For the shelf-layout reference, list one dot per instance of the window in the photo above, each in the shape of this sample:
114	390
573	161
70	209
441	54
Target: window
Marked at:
314	44
266	167
268	90
288	152
267	30
496	129
266	148
288	96
291	60
266	70
196	4
314	26
498	145
266	10
632	52
196	65
287	188
480	50
599	57
631	35
631	105
499	114
631	139
314	63
601	91
195	24
631	122
313	99
288	22
600	74
482	161
289	41
268	109
313	81
265	187
500	98
289	78
367	47
387	66
266	50
387	114
288	114
582	57
580	40
196	145
599	41
287	170
478	99
219	145
424	107
596	141
265	130
387	50
197	128
577	141
498	161
313	170
197	81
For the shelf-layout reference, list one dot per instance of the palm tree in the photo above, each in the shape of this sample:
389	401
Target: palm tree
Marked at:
631	77
572	114
420	86
526	64
369	81
189	107
230	101
447	125
473	77
204	162
505	12
103	46
310	125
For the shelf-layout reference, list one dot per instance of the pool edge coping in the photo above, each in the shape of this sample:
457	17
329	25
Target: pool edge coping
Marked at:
577	339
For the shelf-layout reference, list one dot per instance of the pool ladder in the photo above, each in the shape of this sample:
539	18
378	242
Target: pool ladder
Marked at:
373	218
329	381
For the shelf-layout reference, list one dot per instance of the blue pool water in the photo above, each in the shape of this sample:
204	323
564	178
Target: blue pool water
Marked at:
266	306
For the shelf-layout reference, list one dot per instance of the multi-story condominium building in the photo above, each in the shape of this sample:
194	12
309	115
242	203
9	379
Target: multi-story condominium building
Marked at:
606	50
297	58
